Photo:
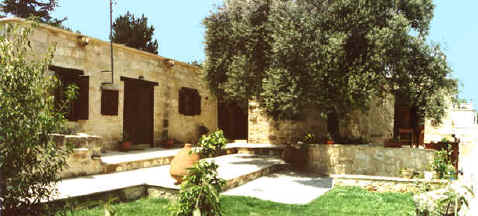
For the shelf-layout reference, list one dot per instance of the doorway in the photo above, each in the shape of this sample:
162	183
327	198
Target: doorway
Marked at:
233	120
138	113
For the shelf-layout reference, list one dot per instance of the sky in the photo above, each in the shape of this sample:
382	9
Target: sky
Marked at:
180	32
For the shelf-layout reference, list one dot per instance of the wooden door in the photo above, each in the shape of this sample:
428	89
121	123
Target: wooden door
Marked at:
138	114
233	120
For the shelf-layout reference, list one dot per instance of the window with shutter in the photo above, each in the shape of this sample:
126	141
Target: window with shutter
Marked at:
79	109
109	102
189	102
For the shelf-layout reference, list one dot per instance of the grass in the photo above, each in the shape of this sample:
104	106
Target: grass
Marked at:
339	201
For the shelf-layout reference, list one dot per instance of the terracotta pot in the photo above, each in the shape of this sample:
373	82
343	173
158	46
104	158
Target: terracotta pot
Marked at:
393	144
183	160
125	146
170	143
330	142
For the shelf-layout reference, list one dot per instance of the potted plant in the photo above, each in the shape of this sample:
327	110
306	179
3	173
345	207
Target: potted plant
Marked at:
393	143
125	143
329	139
209	146
213	144
166	142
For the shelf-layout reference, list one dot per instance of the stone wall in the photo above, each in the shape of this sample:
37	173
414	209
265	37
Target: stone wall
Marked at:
376	125
94	57
367	160
84	159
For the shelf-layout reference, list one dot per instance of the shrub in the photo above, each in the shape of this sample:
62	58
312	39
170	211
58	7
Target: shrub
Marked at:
212	144
30	161
442	164
199	194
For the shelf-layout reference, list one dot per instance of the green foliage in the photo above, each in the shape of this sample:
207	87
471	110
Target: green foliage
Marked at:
310	138
333	55
442	163
212	144
40	9
134	32
452	200
200	190
30	161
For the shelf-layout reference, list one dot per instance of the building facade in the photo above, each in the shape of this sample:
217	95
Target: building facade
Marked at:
148	97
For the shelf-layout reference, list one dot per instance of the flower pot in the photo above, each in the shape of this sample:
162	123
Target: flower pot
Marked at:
125	146
391	144
330	142
169	143
183	160
428	145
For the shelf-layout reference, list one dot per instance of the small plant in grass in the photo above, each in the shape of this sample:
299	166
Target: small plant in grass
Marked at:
446	203
200	191
442	164
212	144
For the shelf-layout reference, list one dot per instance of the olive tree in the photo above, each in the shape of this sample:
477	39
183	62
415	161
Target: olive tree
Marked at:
338	56
30	161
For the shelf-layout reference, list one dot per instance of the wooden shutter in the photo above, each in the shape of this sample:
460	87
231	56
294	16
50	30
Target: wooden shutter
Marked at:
109	102
196	102
83	98
181	101
189	101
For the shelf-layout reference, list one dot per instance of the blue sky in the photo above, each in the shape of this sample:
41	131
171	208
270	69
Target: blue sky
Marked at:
181	35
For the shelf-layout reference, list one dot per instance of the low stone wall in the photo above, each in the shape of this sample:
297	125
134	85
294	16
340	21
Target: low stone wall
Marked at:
85	157
367	160
388	184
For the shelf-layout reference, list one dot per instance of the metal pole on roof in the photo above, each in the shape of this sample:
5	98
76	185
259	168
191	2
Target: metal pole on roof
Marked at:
111	42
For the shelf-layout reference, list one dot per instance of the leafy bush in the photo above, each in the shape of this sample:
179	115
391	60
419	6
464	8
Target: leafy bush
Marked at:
449	201
442	164
310	138
199	194
29	159
212	144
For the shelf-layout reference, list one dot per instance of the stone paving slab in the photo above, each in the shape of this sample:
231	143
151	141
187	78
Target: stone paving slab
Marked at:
230	167
152	153
285	187
122	157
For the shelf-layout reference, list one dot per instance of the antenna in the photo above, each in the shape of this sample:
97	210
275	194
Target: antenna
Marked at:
111	45
111	42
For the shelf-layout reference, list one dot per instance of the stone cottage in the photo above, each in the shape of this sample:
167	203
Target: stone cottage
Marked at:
148	97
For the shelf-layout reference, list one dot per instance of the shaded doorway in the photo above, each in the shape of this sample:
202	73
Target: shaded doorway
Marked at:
233	120
409	125
138	113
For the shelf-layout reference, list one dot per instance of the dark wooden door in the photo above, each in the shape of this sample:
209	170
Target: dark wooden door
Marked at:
138	114
233	120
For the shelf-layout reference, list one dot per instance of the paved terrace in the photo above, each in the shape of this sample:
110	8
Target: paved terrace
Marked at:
236	169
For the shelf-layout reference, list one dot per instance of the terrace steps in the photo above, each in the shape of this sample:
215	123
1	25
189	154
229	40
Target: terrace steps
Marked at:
236	169
125	161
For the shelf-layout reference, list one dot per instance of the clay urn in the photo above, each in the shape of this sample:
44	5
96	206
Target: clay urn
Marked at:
183	160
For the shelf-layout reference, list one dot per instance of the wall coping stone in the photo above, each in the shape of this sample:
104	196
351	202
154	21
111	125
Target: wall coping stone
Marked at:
390	179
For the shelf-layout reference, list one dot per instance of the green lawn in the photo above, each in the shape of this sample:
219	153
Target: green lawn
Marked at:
339	201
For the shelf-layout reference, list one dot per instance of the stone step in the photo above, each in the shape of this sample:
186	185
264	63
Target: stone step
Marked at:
83	164
124	161
236	169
